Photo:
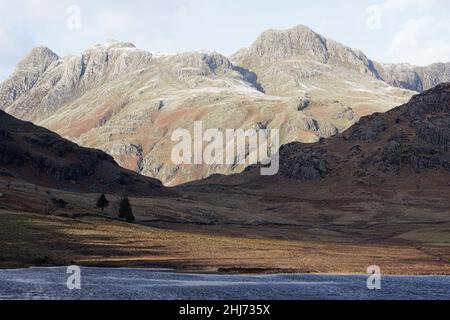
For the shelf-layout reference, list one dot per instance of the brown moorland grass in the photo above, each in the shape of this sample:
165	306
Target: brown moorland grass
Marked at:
240	231
33	239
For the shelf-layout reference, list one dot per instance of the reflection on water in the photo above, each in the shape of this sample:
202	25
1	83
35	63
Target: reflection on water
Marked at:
146	284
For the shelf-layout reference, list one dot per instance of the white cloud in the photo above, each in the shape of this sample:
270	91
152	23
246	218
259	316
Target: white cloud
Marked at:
376	13
421	41
393	5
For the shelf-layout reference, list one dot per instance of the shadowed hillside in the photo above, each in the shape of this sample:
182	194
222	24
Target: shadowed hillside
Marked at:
39	156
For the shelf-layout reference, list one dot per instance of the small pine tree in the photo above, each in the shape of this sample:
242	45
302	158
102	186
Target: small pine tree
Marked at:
125	210
102	202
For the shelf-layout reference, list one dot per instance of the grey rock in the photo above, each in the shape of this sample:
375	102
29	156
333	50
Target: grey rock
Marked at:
303	163
26	75
303	104
274	45
416	78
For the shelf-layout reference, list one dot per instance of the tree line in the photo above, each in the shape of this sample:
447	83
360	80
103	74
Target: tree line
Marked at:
125	209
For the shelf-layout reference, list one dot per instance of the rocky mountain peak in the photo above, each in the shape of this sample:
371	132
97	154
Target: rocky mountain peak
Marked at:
38	56
110	59
279	44
26	74
42	81
113	44
302	44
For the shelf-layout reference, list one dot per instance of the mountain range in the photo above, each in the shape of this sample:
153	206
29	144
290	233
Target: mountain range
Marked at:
127	102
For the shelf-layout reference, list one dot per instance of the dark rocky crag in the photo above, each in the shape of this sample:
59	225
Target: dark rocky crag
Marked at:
411	138
39	156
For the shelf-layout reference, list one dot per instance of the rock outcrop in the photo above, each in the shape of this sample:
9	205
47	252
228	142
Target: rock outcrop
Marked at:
27	73
304	163
415	78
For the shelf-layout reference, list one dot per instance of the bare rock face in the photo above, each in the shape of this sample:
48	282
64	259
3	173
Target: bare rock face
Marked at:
300	41
70	76
274	45
279	52
304	163
414	77
429	115
300	54
27	73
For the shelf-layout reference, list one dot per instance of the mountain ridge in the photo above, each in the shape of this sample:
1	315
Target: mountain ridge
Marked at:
275	44
301	40
127	101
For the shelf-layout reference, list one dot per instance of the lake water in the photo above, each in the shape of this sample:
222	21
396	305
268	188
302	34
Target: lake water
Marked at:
150	284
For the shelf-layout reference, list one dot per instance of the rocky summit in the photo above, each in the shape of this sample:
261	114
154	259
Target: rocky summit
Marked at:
127	102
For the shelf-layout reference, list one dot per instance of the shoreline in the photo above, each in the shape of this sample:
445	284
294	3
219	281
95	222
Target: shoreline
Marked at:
245	271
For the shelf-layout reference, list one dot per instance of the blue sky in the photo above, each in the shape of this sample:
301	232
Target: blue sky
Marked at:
414	31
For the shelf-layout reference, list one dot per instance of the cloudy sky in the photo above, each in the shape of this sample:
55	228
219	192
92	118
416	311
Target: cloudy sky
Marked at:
414	31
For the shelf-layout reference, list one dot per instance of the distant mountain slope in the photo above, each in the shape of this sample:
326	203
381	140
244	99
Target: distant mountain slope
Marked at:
36	155
414	77
410	143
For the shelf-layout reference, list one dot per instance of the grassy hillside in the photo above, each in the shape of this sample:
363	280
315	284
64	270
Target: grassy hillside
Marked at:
79	234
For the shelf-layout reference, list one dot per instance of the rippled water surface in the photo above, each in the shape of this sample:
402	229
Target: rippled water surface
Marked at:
145	284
